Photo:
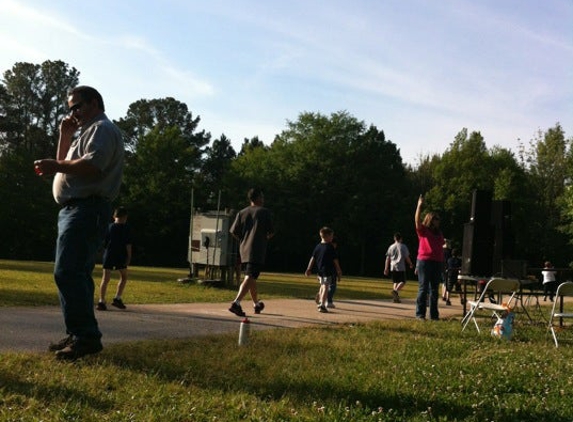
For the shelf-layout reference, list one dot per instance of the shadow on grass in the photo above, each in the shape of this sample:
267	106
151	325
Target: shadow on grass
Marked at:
27	266
52	396
20	297
277	376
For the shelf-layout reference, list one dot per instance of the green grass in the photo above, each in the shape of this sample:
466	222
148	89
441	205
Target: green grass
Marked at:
380	371
28	283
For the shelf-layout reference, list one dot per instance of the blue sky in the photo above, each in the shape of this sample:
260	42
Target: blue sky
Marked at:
420	70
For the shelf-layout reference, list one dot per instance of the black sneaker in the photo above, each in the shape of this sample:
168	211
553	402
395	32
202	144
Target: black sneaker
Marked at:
237	310
101	306
78	349
118	303
259	307
62	344
322	309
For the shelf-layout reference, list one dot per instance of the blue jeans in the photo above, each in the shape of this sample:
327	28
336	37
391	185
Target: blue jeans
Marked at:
331	290
81	230
429	278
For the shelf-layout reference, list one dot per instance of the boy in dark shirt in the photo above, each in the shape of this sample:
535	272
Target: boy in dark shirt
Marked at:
117	255
325	258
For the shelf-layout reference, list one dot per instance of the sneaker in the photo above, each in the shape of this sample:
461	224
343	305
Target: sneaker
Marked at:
78	349
118	303
322	309
62	344
101	306
237	310
259	307
448	302
330	305
396	296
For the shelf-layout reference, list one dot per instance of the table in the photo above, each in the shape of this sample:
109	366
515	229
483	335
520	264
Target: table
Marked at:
529	288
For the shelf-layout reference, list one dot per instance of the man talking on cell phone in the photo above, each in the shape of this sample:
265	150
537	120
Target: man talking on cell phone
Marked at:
88	171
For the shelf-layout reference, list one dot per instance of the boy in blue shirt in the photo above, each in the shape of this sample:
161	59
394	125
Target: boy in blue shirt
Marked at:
117	255
325	258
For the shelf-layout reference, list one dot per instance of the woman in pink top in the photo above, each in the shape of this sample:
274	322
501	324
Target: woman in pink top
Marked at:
430	261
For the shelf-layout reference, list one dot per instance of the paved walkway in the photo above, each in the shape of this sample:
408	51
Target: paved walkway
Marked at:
33	328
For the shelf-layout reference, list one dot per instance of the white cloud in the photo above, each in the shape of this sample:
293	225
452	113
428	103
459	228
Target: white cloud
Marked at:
419	70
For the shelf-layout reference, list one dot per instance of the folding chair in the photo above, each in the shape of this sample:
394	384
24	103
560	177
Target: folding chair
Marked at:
499	286
564	290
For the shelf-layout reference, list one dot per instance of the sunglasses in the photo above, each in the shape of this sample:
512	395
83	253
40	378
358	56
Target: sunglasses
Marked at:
76	107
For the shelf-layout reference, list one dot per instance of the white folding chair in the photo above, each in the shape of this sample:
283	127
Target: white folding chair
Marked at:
495	286
564	290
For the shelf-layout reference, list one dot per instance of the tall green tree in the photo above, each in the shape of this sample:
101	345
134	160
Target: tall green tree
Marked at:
34	104
329	170
163	165
143	116
157	183
549	163
214	173
468	165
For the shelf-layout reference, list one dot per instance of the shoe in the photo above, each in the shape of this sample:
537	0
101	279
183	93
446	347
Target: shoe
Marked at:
322	309
448	302
78	349
118	303
259	307
317	299
62	344
330	305
101	306
237	310
396	296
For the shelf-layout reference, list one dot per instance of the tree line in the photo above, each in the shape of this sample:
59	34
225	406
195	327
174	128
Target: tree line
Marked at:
333	170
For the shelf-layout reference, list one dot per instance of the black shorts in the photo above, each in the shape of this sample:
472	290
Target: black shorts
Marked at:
111	262
398	276
252	269
453	284
108	265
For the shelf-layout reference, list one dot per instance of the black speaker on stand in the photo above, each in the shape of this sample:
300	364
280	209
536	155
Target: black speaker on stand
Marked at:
477	251
504	240
481	207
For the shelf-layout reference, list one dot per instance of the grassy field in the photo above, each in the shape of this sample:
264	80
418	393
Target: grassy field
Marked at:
28	283
382	371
